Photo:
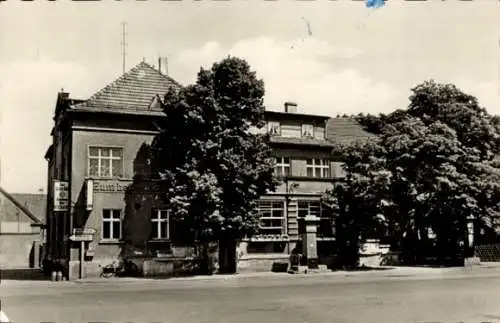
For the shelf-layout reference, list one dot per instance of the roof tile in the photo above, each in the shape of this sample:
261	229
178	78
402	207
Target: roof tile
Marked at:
345	130
134	90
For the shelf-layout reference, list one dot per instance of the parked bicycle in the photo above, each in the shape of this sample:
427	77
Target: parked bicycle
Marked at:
111	270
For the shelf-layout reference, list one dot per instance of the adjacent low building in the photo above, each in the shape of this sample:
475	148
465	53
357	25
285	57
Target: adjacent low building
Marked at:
103	206
22	219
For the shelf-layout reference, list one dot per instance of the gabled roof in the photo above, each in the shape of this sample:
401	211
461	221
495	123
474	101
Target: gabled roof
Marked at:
21	207
35	203
345	130
133	91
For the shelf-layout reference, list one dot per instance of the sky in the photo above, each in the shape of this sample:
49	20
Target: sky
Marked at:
330	57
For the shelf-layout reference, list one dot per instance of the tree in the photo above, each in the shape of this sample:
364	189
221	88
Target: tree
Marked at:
356	200
213	166
439	157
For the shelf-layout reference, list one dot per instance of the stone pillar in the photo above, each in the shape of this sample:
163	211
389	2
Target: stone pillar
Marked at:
309	242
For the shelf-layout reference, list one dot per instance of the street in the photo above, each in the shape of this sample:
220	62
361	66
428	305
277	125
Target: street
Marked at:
356	298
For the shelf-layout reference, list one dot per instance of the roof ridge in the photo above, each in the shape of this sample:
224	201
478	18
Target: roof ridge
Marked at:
118	82
20	206
159	72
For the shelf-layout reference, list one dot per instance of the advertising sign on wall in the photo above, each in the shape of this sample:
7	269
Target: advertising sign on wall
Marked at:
90	194
61	196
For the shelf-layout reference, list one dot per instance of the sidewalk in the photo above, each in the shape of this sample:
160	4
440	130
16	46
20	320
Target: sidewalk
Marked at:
386	272
488	269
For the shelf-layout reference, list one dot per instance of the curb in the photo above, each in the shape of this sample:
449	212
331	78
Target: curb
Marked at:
385	273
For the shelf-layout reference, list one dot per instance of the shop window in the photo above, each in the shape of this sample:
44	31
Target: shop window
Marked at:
272	217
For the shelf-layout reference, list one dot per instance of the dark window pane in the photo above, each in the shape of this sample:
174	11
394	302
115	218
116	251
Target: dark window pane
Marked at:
117	152
93	167
106	214
93	151
309	161
277	214
116	230
117	168
116	214
105	152
309	172
105	168
163	230
106	230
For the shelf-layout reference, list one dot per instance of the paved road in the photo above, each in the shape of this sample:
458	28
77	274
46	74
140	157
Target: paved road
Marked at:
336	299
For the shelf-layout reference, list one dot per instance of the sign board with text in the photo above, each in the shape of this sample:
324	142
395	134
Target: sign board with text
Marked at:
61	196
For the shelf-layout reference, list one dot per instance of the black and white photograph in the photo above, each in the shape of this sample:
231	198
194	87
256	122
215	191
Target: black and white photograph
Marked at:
250	161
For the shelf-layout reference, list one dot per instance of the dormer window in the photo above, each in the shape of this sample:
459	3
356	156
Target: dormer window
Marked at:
307	130
274	128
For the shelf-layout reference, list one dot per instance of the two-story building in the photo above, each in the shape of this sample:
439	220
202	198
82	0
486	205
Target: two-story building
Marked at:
103	207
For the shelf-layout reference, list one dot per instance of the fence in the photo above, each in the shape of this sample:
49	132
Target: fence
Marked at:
488	253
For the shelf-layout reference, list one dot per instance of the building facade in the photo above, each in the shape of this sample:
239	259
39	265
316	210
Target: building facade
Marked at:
108	208
22	219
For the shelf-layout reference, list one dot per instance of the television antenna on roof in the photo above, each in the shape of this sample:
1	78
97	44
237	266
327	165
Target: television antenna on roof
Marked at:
124	44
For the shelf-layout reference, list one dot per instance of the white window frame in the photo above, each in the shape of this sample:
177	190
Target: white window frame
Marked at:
260	210
100	157
318	212
157	219
283	164
274	126
322	164
305	127
112	219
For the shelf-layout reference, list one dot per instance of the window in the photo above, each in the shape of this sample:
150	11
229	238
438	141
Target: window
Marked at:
111	228
160	225
282	167
105	162
319	133
272	217
307	130
325	224
318	168
274	128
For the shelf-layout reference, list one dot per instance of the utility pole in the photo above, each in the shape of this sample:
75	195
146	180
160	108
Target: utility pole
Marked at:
124	44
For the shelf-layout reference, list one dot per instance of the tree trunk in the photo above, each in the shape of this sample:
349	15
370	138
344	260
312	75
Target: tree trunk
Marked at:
208	258
227	255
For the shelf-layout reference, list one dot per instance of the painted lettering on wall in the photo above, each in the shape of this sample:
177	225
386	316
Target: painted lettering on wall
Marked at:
110	187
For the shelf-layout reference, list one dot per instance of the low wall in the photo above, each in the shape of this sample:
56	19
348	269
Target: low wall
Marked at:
260	263
372	254
15	250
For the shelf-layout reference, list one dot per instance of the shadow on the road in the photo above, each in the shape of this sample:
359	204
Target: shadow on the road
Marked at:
22	274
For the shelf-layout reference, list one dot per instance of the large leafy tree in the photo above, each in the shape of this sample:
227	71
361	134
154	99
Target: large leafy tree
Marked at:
213	166
438	157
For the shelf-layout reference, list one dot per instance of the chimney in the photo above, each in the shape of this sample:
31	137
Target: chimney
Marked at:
159	64
290	107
